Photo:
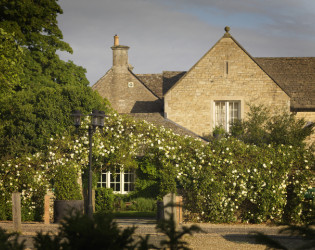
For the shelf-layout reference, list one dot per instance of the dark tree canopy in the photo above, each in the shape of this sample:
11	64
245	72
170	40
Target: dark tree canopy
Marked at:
39	90
11	61
35	28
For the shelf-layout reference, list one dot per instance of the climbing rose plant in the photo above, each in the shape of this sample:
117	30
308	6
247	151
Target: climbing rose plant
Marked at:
221	181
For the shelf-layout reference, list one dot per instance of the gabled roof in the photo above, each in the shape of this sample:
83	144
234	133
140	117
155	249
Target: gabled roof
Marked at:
159	84
159	120
170	78
228	35
153	82
294	74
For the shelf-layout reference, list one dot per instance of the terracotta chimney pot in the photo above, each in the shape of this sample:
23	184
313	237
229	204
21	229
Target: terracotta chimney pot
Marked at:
116	40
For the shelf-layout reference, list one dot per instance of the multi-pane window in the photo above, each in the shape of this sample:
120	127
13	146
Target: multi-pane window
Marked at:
129	181
115	181
121	182
226	112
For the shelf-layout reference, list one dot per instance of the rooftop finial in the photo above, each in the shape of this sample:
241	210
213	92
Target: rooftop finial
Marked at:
227	34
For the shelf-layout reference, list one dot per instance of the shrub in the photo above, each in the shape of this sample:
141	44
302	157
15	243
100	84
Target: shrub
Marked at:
219	132
66	183
261	127
9	241
233	181
100	232
104	200
146	184
26	175
143	205
82	232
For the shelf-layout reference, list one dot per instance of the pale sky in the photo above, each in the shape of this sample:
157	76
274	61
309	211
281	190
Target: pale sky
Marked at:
174	34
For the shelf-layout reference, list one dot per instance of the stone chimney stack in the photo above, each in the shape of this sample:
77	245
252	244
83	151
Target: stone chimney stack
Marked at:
120	56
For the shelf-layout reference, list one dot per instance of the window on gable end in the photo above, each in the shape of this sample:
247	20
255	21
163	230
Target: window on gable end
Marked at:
226	68
226	112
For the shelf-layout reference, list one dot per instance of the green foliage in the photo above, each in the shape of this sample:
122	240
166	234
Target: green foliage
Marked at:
27	176
41	91
224	180
104	200
234	181
11	61
143	205
9	241
81	232
147	179
31	117
66	183
219	132
260	127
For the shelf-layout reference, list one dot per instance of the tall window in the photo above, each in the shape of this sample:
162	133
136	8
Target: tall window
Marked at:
121	182
226	112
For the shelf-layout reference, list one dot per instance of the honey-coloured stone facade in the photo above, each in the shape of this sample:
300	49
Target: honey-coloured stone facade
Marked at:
126	93
225	73
123	89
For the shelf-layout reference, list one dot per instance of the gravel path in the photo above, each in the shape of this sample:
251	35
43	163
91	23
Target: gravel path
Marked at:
215	236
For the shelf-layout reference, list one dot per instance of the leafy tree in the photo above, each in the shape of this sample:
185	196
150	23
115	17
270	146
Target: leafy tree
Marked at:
261	127
35	28
32	116
11	61
45	89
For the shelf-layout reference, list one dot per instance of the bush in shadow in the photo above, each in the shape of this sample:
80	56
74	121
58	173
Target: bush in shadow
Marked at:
82	232
9	241
307	233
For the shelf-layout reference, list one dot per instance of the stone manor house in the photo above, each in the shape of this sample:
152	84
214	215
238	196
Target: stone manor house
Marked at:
215	91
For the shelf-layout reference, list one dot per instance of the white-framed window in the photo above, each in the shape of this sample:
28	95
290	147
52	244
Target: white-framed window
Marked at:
121	182
226	112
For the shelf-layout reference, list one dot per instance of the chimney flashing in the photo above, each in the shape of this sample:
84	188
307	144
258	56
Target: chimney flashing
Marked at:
119	47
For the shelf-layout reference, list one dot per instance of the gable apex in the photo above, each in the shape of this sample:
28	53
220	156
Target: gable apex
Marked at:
227	35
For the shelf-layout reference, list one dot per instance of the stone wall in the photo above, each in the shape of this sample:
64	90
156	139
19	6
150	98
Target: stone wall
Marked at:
309	117
226	72
126	93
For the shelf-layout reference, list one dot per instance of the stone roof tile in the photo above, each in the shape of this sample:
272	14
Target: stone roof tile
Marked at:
159	120
170	78
153	82
294	74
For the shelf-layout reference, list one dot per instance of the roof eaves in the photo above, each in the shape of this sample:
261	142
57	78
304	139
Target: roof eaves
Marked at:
99	80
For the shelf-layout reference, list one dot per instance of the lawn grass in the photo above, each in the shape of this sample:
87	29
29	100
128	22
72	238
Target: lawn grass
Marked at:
134	214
